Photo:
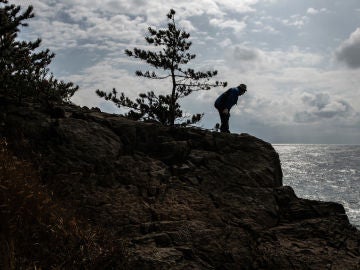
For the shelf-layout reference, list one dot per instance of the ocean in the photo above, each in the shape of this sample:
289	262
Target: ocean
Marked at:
324	172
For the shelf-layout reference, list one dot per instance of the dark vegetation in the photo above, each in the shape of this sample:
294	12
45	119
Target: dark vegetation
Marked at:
168	62
37	231
24	72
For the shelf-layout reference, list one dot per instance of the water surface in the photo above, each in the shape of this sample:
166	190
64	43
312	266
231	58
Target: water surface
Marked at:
324	172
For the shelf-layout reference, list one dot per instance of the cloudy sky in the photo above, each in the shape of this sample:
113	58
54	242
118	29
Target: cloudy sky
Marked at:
299	58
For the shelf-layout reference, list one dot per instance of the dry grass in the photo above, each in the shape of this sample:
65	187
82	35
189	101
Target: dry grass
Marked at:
37	232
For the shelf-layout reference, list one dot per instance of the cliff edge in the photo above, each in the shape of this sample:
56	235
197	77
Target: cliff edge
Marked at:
174	198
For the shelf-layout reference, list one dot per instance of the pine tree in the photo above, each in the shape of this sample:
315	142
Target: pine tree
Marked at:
24	72
168	62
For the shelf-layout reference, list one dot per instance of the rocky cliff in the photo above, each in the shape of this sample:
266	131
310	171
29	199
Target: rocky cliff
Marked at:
175	198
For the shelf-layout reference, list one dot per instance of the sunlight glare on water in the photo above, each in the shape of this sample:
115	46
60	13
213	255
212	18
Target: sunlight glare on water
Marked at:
324	172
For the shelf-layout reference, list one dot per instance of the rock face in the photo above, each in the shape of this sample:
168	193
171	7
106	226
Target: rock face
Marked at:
180	198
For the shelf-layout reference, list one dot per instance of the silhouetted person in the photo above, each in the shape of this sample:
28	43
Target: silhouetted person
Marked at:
224	103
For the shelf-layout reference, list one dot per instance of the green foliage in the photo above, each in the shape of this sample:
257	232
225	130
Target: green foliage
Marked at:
168	61
23	69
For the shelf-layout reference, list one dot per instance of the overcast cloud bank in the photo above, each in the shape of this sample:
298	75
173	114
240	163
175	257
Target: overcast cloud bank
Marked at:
291	57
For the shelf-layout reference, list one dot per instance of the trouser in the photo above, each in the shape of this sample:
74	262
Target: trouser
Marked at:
224	117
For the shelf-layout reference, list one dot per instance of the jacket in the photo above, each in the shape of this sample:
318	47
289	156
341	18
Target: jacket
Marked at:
227	99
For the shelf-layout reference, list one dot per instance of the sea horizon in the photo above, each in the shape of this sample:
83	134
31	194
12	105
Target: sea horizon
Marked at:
357	144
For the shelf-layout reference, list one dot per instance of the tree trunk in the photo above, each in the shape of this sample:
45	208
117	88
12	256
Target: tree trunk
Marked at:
172	101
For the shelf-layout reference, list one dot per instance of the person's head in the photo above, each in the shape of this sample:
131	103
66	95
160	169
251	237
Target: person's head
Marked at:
242	88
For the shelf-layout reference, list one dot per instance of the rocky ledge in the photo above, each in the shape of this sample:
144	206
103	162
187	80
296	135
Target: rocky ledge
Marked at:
179	198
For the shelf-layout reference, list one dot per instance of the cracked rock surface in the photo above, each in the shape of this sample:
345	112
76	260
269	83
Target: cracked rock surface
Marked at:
182	198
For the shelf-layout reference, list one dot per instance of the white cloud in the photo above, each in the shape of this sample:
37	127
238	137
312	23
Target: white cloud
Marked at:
349	51
248	58
322	107
266	29
106	75
296	20
314	11
243	6
63	25
237	26
187	25
86	23
225	43
277	77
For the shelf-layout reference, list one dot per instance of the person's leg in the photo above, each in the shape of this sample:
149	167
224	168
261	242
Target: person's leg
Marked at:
224	122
